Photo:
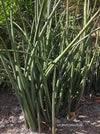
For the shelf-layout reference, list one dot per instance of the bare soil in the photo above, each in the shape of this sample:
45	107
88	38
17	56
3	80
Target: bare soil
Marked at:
12	120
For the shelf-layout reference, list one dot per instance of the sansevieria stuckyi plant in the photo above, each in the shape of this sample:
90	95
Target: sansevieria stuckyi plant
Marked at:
28	79
41	61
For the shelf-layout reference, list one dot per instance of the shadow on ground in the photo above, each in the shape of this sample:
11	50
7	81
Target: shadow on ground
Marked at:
12	121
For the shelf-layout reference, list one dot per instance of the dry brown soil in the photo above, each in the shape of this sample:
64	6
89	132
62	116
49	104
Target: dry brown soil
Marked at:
12	121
